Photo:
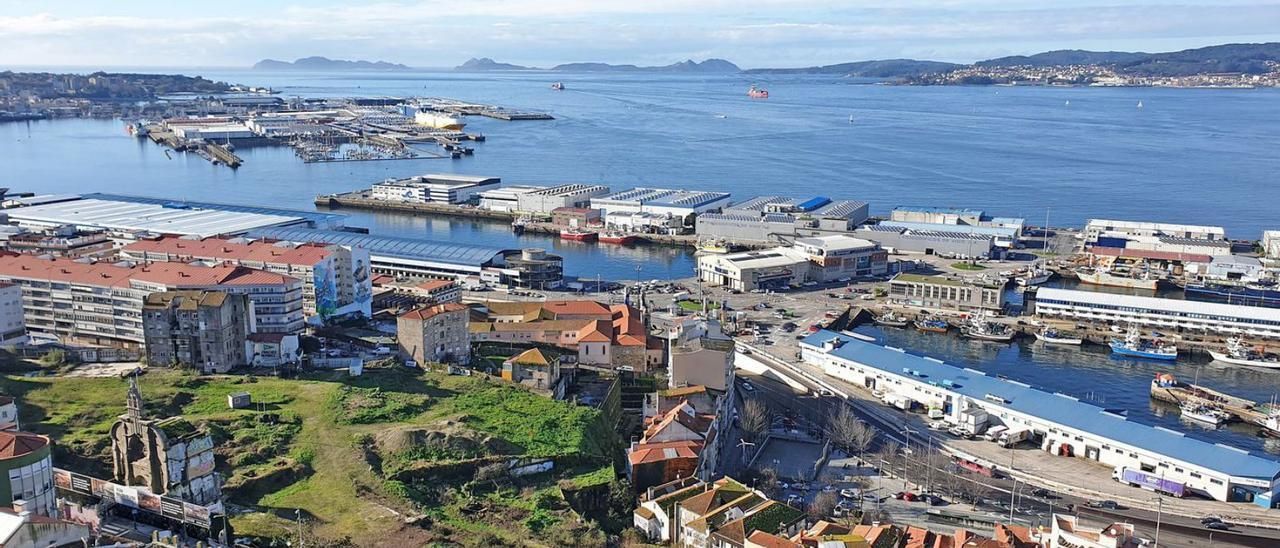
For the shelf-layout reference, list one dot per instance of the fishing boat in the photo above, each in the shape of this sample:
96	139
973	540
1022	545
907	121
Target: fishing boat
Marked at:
717	246
1139	104
983	329
1258	293
1035	276
1238	353
1113	278
558	86
1204	413
1270	425
620	238
1135	346
578	235
757	92
933	325
138	128
1050	335
889	319
519	225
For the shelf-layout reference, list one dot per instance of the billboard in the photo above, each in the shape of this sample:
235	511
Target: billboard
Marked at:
1155	483
138	497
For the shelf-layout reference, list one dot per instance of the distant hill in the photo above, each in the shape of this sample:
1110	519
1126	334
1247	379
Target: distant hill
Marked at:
885	68
486	64
1225	58
326	64
688	65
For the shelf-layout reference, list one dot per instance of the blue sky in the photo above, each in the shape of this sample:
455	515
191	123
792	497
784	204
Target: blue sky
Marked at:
751	33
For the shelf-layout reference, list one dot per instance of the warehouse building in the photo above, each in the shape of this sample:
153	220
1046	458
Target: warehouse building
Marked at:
777	268
822	213
435	188
835	257
955	217
417	258
546	200
1101	228
737	227
930	242
679	203
132	214
108	298
1003	236
647	223
946	293
1059	424
506	198
1271	244
1158	313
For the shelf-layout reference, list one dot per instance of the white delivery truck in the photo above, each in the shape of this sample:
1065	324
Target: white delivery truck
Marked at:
1014	436
993	433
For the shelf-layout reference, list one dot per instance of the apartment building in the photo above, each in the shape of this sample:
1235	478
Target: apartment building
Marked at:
435	334
12	326
202	329
335	279
99	303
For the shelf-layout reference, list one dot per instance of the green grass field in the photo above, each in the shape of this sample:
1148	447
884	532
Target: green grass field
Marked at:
967	266
306	447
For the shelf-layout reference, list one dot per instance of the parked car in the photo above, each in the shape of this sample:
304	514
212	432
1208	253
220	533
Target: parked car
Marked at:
849	493
1218	526
1105	504
1209	519
1043	493
749	388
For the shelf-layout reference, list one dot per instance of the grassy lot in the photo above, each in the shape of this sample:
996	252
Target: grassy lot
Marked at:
696	306
328	445
965	265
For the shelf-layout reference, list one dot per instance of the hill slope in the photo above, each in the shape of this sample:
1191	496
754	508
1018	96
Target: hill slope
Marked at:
326	64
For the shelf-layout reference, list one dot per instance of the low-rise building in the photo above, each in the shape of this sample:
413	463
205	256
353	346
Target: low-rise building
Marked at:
1158	313
705	360
63	241
435	334
12	318
202	329
942	242
686	204
1004	236
776	268
1067	531
602	335
545	200
644	222
946	293
272	350
537	370
9	414
26	463
435	188
506	198
938	215
437	291
1096	229
575	216
1271	244
834	257
20	529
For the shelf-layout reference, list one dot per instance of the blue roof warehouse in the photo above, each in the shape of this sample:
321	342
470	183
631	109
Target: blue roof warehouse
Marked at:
1062	424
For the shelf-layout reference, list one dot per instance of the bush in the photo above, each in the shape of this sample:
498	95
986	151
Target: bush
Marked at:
55	358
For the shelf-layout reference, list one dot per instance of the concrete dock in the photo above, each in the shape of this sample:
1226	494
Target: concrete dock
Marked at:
1240	409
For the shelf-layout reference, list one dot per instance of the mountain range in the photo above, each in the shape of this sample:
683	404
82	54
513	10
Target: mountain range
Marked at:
326	64
708	66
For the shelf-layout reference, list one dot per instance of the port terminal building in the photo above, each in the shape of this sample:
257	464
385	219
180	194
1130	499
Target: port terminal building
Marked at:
1059	424
1102	228
778	218
417	258
539	200
818	259
685	204
135	214
944	242
434	188
950	293
1157	313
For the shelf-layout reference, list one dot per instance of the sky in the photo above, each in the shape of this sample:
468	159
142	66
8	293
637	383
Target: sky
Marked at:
751	33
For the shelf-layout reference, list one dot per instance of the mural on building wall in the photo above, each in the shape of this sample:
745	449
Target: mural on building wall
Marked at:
326	289
363	280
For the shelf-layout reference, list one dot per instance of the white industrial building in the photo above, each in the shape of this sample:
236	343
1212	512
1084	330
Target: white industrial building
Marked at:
820	259
678	203
955	217
547	199
1158	313
212	133
1096	228
435	188
648	223
1271	244
821	212
836	257
135	214
505	198
1002	236
1059	424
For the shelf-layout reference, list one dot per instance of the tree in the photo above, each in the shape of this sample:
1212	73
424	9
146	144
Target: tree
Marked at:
755	419
823	505
849	432
767	482
885	455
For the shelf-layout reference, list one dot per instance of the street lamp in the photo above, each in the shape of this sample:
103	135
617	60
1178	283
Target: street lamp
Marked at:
1013	493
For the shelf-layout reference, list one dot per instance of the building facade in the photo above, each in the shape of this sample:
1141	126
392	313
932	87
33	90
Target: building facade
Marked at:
836	257
776	268
435	334
12	318
1204	317
26	463
1098	228
435	188
686	204
102	303
545	200
943	293
202	329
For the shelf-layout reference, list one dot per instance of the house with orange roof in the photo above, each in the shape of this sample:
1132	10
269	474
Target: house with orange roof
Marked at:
116	320
1067	531
650	464
538	370
336	279
603	336
438	291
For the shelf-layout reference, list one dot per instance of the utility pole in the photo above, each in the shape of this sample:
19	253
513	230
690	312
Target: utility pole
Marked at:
1159	512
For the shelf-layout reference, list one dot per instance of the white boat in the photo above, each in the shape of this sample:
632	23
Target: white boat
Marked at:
1050	335
1270	425
1139	104
1205	414
1101	276
1035	276
437	120
1237	353
889	319
982	329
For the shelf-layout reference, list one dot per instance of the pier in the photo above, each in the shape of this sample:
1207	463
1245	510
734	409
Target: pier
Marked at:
222	154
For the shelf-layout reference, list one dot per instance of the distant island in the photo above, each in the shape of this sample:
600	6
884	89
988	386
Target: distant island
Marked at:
326	64
485	64
884	68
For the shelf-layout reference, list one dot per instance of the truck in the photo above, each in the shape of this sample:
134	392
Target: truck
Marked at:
1014	436
993	433
1148	481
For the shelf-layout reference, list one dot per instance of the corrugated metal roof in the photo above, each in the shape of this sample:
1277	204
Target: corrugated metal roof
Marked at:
966	229
109	213
391	246
1056	408
842	209
1176	306
320	218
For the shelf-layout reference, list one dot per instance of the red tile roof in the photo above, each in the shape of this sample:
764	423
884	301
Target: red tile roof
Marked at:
645	453
428	312
769	540
223	249
576	308
17	444
432	285
596	331
627	328
175	275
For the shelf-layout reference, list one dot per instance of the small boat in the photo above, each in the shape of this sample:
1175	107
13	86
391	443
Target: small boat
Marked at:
716	246
1270	426
1204	413
850	118
1050	335
558	86
1034	276
1068	103
933	325
519	225
757	92
889	319
1139	104
1135	346
1237	353
985	330
620	238
578	235
721	116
